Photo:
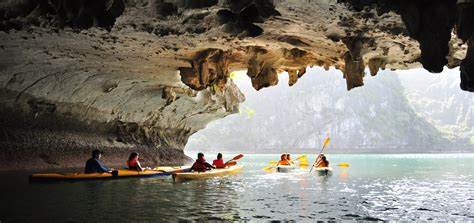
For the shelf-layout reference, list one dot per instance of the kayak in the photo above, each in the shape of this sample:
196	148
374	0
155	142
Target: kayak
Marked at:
285	168
323	170
116	174
210	173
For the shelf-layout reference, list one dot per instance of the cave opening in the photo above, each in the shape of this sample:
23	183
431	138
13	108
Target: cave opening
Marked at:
408	111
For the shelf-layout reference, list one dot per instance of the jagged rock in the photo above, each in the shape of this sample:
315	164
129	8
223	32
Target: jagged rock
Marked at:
467	68
76	14
375	64
353	71
232	97
267	77
294	75
208	67
240	16
162	8
354	65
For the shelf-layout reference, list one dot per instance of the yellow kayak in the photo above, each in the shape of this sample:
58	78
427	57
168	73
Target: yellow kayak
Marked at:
285	168
121	173
210	173
323	170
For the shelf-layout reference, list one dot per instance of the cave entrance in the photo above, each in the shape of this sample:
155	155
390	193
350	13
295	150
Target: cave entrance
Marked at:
396	111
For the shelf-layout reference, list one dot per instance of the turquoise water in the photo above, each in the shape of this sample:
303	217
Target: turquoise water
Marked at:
385	187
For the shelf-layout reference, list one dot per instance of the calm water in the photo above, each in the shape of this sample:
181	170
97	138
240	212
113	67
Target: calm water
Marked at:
385	187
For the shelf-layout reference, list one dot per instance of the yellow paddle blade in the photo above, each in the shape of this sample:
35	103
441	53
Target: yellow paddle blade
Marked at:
302	157
303	160
268	168
273	162
304	165
343	165
326	142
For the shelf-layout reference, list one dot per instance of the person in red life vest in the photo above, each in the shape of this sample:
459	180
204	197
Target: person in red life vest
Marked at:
201	165
133	162
219	162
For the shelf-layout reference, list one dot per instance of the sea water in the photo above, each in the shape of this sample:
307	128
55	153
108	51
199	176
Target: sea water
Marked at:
374	187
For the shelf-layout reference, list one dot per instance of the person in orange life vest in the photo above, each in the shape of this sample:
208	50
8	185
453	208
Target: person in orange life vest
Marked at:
288	157
322	161
219	162
133	162
283	160
201	165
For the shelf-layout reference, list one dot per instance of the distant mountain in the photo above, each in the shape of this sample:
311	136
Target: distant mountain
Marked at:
436	98
298	118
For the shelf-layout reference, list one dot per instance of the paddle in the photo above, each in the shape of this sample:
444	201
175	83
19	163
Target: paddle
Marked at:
231	163
268	168
302	159
326	142
304	165
273	163
233	160
343	165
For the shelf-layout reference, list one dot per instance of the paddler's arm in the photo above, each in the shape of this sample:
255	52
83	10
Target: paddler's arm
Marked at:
102	168
209	165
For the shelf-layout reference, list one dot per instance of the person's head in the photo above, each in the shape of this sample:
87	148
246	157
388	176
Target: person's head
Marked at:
283	156
288	157
200	155
323	158
219	156
97	154
133	156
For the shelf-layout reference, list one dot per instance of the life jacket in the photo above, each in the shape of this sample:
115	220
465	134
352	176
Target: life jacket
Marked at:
132	163
218	163
284	162
199	165
323	164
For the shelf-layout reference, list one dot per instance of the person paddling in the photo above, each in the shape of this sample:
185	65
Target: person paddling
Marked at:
288	157
219	162
201	165
133	162
93	165
283	161
322	161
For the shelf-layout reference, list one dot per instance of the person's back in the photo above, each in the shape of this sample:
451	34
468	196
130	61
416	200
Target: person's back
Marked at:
93	164
133	162
323	162
201	165
283	161
219	162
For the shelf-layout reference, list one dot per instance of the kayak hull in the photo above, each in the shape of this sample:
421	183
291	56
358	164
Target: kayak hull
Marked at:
285	169
323	170
194	175
116	174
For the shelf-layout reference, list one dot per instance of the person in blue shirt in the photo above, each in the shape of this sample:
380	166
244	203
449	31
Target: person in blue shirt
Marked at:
93	165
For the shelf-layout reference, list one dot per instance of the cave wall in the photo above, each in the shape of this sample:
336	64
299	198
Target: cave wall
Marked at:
127	75
431	23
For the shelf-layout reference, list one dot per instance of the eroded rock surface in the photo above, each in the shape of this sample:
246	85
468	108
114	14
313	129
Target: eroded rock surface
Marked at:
145	75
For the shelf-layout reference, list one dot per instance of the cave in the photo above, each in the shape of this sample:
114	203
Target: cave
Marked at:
144	76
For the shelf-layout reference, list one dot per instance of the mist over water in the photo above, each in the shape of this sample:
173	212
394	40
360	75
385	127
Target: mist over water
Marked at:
389	187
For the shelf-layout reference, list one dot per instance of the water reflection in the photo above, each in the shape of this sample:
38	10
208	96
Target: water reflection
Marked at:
372	188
